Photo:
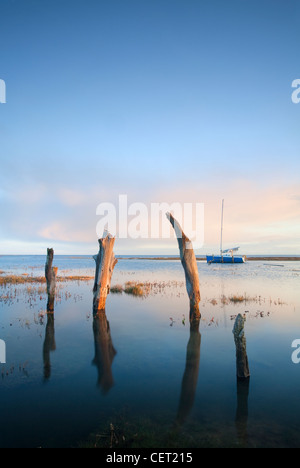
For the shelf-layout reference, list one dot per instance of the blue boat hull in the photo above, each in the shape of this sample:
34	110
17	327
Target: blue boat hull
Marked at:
224	259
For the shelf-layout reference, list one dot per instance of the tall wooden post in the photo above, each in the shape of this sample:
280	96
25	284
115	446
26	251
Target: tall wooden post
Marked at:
49	342
50	274
105	264
189	263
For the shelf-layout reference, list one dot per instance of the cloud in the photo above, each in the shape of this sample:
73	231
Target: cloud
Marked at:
257	217
252	210
66	231
71	197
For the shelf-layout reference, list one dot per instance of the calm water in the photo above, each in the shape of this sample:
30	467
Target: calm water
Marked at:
70	375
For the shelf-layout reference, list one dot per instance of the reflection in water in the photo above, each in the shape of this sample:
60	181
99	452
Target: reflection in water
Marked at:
49	345
190	377
104	351
241	419
50	303
243	380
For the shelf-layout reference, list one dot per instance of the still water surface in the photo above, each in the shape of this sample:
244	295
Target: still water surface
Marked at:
70	374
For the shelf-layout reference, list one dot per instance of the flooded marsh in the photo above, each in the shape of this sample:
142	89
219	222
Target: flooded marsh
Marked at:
141	367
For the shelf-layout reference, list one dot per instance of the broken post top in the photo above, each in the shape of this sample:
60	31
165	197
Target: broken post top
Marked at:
183	241
49	270
189	263
239	324
50	254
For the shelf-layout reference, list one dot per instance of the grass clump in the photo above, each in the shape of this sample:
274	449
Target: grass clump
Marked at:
116	289
237	299
26	279
135	289
14	279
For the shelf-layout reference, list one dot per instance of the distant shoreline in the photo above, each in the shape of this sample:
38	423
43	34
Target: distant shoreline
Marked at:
203	259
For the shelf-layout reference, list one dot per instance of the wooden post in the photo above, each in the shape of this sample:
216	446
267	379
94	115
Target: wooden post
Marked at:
104	351
242	365
50	274
105	264
189	263
49	342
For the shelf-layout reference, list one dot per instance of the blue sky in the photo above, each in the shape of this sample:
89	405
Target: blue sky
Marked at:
164	100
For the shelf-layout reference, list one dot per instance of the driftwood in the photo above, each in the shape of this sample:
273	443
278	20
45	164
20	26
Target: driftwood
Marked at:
104	351
50	274
189	263
190	377
105	264
242	365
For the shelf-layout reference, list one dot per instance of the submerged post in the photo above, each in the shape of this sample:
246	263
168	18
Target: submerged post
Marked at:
105	264
50	274
189	263
242	364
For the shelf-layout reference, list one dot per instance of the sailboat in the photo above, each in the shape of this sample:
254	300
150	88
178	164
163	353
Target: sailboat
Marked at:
226	256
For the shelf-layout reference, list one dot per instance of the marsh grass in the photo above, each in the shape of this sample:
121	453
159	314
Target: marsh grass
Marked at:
237	299
135	289
241	299
140	289
117	289
14	279
132	432
25	279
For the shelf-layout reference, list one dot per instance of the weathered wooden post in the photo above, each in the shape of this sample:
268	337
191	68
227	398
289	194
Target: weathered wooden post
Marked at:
190	377
104	351
242	365
189	263
50	274
105	264
49	342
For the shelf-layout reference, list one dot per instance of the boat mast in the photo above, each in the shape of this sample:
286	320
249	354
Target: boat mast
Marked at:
222	221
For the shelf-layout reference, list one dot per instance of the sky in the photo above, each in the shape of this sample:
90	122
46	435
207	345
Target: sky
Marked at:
183	101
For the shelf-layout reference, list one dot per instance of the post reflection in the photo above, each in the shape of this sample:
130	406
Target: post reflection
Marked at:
191	374
49	342
49	345
104	352
241	419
